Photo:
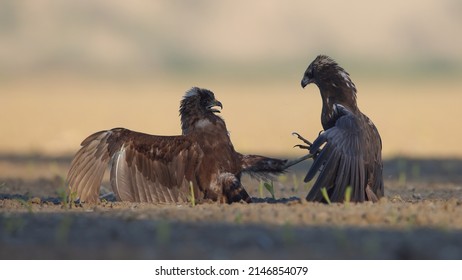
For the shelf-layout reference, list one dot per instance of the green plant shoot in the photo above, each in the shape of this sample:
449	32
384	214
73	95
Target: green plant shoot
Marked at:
348	192
325	195
270	188
193	198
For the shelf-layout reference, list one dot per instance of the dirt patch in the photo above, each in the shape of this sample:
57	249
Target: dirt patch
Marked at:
420	218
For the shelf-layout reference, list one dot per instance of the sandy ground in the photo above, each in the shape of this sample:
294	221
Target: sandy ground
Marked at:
420	218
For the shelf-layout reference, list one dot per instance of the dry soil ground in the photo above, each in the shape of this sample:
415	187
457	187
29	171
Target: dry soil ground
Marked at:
420	218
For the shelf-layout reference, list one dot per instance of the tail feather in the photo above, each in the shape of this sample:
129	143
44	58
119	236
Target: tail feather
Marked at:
262	167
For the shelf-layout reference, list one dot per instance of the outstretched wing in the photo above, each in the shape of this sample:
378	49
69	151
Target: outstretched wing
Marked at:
88	166
144	168
347	159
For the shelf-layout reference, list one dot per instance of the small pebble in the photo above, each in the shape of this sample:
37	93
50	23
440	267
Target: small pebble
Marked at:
35	200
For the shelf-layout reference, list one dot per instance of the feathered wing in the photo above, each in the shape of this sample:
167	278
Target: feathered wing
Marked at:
261	166
346	160
144	168
88	167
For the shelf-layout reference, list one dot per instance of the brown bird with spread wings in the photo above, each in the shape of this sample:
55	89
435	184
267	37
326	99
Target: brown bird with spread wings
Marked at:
348	152
162	169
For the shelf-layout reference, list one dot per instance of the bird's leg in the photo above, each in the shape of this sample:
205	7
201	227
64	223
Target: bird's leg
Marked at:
307	147
295	161
309	144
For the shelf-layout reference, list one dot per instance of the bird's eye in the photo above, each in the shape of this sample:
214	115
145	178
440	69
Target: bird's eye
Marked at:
309	72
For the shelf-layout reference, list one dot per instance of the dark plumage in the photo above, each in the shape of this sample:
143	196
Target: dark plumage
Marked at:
348	151
161	169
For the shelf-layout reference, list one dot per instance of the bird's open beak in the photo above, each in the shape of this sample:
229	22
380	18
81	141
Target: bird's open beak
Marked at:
215	103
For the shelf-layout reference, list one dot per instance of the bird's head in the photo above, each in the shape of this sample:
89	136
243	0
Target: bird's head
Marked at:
327	75
198	107
201	100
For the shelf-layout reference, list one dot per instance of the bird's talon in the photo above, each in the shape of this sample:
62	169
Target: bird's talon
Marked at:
302	147
302	138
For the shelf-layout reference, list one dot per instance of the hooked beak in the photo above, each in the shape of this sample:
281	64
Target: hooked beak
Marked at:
306	81
215	103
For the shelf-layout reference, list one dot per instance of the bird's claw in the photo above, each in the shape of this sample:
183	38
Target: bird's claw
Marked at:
302	147
308	146
302	138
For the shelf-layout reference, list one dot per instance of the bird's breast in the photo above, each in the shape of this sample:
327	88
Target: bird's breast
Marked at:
203	124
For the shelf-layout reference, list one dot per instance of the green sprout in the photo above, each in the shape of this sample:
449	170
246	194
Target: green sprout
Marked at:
348	192
62	194
72	198
193	198
66	198
270	188
325	195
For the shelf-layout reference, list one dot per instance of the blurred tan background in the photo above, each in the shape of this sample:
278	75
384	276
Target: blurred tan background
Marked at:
70	68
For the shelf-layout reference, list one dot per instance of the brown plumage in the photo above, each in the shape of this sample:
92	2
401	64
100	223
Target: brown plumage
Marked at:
348	152
161	169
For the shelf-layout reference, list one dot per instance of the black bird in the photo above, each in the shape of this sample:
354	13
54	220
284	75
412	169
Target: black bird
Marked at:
348	152
169	169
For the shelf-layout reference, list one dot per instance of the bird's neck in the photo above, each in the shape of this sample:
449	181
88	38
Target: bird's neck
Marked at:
200	122
211	134
336	95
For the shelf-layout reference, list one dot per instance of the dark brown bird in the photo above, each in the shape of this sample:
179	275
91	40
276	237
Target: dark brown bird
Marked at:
348	152
163	169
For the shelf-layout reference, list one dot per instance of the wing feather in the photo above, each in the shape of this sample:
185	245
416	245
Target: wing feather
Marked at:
345	159
261	167
144	168
320	159
328	169
158	176
121	177
88	166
